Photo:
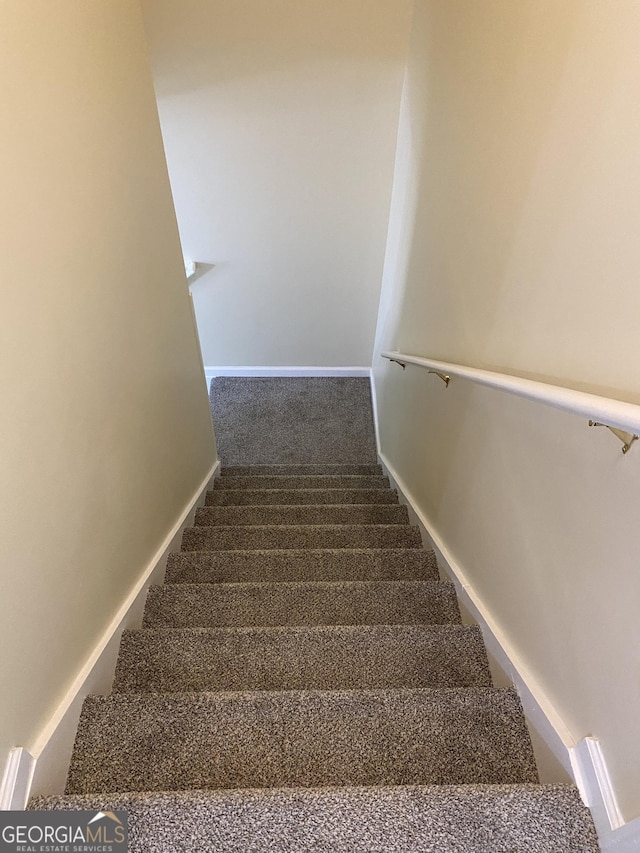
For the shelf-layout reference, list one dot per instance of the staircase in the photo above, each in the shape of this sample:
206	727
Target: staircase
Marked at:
302	682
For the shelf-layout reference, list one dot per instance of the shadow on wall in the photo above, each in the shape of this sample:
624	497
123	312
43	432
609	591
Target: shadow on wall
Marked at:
238	40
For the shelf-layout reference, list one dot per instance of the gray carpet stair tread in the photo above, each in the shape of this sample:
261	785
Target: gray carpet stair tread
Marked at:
292	470
300	481
132	742
301	603
413	819
243	537
209	516
255	497
298	565
299	658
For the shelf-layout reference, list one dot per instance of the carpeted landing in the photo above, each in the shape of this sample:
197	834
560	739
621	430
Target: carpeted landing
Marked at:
278	420
302	682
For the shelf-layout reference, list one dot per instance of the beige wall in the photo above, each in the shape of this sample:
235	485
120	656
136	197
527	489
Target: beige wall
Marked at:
105	431
513	246
280	121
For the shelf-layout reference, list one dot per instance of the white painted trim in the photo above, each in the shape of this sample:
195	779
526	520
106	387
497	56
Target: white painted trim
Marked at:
594	782
210	372
52	748
616	413
583	761
592	777
16	781
374	403
623	840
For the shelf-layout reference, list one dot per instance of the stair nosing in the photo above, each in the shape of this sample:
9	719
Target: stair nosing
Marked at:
437	584
358	550
392	692
296	526
328	628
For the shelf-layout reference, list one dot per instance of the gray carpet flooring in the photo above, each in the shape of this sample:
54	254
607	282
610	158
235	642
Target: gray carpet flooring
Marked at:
298	481
299	497
311	564
293	420
318	514
416	819
302	680
302	603
153	742
323	657
296	536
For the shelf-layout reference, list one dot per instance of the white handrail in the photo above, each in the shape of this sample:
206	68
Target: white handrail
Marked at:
610	412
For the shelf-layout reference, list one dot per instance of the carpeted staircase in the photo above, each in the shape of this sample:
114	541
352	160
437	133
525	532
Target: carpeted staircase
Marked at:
302	682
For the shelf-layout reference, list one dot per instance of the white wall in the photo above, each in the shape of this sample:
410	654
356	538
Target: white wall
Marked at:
280	121
105	428
513	246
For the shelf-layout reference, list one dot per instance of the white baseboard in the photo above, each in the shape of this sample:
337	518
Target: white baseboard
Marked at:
16	780
594	783
45	770
210	372
583	760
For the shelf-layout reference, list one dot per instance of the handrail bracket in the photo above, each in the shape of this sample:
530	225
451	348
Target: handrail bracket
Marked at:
444	376
627	438
395	361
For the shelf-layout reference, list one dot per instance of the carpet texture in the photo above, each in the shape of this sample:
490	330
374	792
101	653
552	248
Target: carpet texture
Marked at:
302	603
302	682
299	497
300	481
319	514
293	420
336	657
424	819
152	742
319	564
232	537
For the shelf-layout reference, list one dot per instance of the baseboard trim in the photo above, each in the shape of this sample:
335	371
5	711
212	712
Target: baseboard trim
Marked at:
211	372
583	760
594	783
51	751
16	781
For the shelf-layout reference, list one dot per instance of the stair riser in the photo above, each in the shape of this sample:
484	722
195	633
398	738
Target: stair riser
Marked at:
300	536
300	739
251	515
256	497
304	482
300	470
301	658
183	606
282	566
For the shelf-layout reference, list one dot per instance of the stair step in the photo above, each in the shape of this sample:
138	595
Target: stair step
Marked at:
301	603
415	819
131	742
299	658
210	516
320	564
300	481
256	497
299	470
229	538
